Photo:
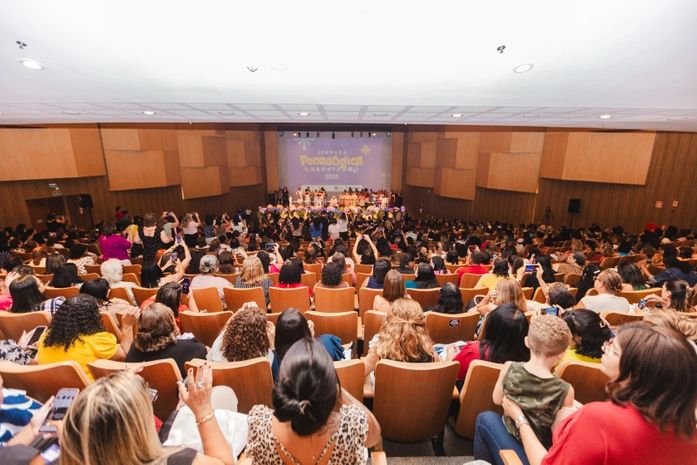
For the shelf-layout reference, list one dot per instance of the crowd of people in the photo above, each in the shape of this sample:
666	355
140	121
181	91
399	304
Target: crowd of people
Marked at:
347	198
648	419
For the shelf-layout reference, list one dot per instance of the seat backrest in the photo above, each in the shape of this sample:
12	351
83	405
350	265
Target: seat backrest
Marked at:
335	300
93	269
208	299
161	375
476	395
470	279
316	268
373	322
235	298
468	293
418	412
358	268
360	278
44	278
272	317
347	278
67	292
282	299
445	328
142	294
273	277
572	279
366	296
231	277
559	277
609	262
131	278
539	296
135	269
12	325
111	324
447	278
351	376
342	324
43	381
425	297
588	380
89	276
308	279
635	296
527	292
452	268
408	277
251	380
119	293
618	319
204	326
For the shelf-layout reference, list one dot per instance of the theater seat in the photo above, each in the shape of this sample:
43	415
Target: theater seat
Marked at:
343	324
204	326
588	380
43	381
12	325
351	375
445	328
476	395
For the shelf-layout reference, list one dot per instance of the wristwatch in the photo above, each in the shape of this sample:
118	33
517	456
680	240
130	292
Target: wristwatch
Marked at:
520	421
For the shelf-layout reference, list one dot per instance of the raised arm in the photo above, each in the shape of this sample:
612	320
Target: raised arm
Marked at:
354	252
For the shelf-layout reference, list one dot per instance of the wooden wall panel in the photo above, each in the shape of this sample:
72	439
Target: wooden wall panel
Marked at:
204	182
137	169
87	151
36	154
517	172
553	155
397	165
271	157
455	183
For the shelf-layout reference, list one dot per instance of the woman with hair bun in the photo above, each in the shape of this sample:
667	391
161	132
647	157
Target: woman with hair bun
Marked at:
313	420
589	332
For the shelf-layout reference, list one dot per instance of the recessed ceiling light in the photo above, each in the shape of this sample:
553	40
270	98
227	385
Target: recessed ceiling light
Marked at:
605	116
673	118
303	113
31	64
531	116
227	113
149	112
456	115
523	68
280	67
72	112
381	114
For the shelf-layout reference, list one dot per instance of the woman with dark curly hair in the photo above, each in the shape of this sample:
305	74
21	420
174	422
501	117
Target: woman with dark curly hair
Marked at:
76	333
331	277
449	300
246	336
157	339
590	332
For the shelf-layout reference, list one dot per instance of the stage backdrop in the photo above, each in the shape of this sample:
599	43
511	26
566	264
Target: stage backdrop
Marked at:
336	163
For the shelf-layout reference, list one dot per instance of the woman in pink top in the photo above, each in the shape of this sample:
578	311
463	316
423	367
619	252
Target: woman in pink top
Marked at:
114	245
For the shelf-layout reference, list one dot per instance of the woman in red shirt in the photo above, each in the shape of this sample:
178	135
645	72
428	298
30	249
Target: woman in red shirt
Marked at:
649	419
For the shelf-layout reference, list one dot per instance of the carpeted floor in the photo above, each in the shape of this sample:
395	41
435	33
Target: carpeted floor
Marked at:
458	450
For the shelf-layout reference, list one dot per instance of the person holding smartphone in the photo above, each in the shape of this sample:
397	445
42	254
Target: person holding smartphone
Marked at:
19	448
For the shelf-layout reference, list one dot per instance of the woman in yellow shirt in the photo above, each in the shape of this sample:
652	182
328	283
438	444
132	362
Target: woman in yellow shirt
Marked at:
76	333
589	333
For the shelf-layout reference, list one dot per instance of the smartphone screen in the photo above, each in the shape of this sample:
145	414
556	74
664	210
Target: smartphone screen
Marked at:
175	255
36	334
550	311
52	454
63	400
530	268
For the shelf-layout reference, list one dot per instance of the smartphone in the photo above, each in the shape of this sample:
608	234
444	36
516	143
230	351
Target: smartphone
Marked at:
51	454
530	268
642	304
270	246
64	398
174	256
153	394
36	334
550	311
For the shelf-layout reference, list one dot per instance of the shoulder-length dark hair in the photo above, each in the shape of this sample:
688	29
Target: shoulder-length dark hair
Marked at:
450	299
290	274
65	276
170	295
589	330
26	296
97	288
290	327
77	317
657	376
504	339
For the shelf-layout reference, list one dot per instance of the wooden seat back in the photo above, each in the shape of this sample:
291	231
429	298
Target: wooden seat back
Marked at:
308	279
335	300
43	381
588	380
470	280
119	293
419	412
142	294
444	328
131	278
67	292
94	269
13	325
447	278
208	299
469	293
161	375
89	276
251	380
425	297
572	279
235	298
111	324
618	319
527	292
135	269
204	326
635	296
44	278
282	299
373	321
360	278
351	375
366	297
316	268
230	277
476	395
343	324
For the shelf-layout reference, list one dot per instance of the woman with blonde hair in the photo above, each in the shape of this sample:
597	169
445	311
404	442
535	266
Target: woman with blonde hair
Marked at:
253	275
392	290
507	291
608	284
403	338
111	421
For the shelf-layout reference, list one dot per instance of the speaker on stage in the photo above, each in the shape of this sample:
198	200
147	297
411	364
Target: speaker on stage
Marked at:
574	206
86	201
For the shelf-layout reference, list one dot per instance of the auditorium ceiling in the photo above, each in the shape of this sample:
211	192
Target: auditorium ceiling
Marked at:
596	64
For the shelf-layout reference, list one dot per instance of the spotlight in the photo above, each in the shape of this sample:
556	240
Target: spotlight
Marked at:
333	135
307	134
375	133
295	134
351	133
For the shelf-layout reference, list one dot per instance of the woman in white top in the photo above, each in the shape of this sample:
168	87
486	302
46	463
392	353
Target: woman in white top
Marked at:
608	284
190	225
207	278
